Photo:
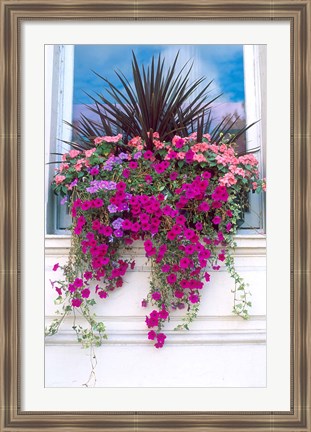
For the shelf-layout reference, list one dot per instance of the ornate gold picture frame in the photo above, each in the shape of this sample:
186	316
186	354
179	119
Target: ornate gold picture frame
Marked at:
298	14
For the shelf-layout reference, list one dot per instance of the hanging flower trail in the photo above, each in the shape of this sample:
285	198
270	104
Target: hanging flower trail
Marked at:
183	200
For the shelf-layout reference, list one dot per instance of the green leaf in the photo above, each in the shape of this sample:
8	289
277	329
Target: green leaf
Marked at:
91	302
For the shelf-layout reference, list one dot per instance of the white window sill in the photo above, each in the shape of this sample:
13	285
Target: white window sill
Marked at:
249	244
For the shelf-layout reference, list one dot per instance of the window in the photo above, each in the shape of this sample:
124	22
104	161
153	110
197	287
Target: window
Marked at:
68	75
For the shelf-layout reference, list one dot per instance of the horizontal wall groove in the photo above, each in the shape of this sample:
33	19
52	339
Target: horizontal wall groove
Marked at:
134	318
195	337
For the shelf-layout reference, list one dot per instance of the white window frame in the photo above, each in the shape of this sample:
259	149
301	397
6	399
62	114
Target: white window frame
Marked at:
255	63
59	81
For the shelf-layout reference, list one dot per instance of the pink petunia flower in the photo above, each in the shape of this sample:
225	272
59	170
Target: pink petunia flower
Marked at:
74	153
59	179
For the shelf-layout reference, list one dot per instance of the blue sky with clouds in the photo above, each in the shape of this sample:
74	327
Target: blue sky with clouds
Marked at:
221	63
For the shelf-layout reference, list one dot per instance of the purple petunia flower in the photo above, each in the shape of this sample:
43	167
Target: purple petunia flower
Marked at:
118	233
123	156
112	208
117	224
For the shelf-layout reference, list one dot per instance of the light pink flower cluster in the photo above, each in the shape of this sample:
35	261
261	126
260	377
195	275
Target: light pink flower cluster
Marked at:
109	139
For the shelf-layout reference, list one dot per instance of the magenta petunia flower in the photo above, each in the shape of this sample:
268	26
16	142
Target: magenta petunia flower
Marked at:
133	165
148	179
171	235
97	203
86	205
76	302
162	249
216	204
204	254
135	227
173	176
190	249
126	173
126	224
90	236
163	314
207	277
189	233
206	175
178	294
189	156
220	236
221	257
166	268
148	245
153	319
161	338
78	283
119	282
220	194
176	229
85	293
175	268
181	220
216	220
171	279
203	207
104	261
148	154
152	335
58	290
121	186
228	227
94	171
184	283
96	224
184	263
179	142
160	197
105	230
56	266
193	298
72	288
156	295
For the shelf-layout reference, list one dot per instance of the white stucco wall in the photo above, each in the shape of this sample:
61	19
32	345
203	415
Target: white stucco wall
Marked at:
220	350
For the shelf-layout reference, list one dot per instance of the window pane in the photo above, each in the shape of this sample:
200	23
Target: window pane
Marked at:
222	64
